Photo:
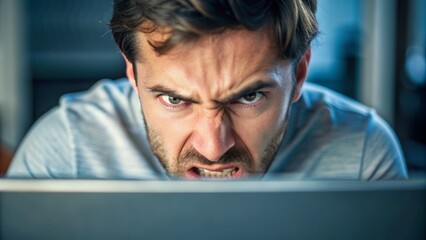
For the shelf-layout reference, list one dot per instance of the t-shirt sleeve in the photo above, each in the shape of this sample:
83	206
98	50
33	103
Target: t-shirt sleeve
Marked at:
46	151
382	154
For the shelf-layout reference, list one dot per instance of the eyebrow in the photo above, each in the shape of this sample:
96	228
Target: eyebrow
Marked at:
247	90
170	92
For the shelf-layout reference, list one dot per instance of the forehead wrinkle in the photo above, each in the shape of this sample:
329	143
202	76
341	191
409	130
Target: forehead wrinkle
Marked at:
235	56
215	66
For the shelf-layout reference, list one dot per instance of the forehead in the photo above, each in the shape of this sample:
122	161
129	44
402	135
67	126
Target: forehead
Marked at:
213	64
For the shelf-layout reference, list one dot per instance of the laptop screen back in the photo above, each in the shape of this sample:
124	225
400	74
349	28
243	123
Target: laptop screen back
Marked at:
90	209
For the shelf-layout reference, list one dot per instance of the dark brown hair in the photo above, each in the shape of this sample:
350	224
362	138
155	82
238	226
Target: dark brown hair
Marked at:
292	22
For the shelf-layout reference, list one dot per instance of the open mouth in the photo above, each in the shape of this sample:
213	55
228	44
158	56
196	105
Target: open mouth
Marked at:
230	172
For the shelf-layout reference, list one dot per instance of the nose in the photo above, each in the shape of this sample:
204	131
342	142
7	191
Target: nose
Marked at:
212	136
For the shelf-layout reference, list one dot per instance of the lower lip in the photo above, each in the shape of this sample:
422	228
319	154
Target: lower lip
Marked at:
191	174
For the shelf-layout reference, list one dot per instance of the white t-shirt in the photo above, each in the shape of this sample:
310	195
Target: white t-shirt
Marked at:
100	134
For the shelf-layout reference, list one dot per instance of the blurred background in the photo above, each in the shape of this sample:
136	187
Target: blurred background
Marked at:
370	50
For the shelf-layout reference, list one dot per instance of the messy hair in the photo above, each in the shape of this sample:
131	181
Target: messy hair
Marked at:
293	22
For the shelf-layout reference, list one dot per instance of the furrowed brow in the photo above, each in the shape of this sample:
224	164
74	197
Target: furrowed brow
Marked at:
170	92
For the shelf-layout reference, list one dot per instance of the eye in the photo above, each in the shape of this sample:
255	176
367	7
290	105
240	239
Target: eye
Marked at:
251	98
171	101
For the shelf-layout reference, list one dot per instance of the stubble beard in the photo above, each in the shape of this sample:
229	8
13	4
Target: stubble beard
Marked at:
235	155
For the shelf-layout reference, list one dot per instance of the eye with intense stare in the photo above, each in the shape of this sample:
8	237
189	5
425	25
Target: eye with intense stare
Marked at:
251	99
171	101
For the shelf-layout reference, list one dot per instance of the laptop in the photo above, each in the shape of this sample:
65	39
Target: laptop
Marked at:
250	209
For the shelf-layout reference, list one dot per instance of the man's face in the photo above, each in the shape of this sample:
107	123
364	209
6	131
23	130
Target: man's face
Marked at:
217	107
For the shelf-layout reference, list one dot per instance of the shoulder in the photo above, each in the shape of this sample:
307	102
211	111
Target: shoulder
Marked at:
83	135
317	97
381	154
102	94
108	101
324	111
46	150
106	126
383	157
332	135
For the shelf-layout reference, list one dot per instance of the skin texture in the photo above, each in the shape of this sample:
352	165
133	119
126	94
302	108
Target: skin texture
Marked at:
220	102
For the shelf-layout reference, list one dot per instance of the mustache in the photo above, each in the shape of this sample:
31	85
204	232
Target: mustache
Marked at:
233	155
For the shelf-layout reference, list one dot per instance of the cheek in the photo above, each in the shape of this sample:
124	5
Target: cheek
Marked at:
263	128
171	131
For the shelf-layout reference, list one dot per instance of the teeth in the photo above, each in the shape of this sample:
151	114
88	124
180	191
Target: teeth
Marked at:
228	172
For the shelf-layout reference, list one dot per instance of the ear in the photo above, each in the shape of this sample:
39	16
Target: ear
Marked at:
130	73
301	74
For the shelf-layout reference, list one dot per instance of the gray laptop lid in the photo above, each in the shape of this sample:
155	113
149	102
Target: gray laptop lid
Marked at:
95	209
